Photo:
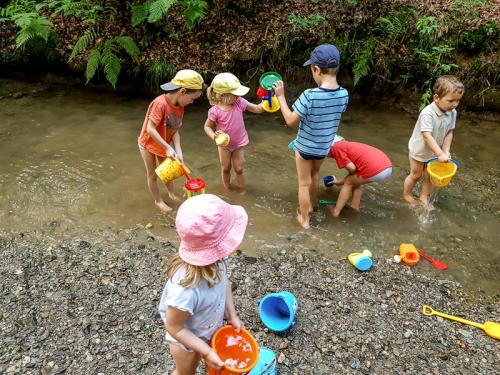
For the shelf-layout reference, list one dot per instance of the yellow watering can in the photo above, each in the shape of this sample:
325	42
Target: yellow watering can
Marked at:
491	328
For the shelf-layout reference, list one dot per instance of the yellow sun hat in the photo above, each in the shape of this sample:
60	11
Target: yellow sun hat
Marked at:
227	83
186	78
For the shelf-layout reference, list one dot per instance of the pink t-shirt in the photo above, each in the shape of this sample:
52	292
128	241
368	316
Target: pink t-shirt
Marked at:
231	122
369	161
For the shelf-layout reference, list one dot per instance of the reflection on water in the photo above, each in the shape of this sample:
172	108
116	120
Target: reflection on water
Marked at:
73	156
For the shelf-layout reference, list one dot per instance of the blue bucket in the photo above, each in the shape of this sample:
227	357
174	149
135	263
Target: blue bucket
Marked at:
267	364
277	311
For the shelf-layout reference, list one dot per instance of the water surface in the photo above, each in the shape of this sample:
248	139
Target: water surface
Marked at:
71	156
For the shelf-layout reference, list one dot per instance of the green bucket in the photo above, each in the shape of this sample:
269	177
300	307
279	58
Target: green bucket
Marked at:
267	80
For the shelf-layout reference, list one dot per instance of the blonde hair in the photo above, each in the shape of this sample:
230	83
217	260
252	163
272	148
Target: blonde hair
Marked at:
222	99
447	84
194	274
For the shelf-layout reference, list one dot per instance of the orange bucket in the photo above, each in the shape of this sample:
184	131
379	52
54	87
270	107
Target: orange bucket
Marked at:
239	351
171	169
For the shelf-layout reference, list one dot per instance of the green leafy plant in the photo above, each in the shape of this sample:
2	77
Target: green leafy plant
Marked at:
105	54
363	60
153	11
157	71
33	26
306	23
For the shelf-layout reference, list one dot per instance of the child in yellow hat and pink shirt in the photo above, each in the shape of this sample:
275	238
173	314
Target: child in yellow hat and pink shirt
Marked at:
226	115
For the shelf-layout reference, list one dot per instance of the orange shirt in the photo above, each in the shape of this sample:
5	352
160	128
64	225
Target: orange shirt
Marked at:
168	120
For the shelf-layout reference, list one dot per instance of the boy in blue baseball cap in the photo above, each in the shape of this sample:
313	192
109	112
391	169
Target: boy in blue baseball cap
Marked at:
317	112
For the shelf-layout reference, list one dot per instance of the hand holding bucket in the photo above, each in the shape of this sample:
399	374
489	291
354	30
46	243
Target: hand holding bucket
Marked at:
171	169
238	350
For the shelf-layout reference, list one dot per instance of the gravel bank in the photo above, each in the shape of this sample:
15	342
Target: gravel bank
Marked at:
88	305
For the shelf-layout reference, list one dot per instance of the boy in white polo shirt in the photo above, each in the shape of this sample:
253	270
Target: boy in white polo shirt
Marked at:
433	134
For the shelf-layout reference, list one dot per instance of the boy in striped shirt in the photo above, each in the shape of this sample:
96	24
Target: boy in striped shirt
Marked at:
317	112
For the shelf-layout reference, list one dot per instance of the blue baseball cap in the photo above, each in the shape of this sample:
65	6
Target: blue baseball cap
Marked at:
324	56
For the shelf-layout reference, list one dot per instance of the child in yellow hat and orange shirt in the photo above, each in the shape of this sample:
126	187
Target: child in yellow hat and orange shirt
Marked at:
159	137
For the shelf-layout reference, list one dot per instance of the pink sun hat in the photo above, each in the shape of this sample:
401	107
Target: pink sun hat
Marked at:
209	228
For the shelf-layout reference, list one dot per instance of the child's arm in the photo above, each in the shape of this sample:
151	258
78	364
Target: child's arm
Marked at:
351	169
229	310
176	319
291	118
158	139
254	108
432	144
209	129
447	143
176	139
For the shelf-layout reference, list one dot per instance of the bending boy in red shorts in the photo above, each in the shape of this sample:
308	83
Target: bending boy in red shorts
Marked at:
364	164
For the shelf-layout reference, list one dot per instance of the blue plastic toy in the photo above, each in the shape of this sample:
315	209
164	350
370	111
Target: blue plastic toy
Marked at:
277	311
267	364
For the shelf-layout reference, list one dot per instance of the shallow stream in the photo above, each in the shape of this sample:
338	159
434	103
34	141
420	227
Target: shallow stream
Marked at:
71	157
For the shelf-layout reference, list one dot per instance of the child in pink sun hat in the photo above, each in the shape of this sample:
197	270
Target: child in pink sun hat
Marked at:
197	295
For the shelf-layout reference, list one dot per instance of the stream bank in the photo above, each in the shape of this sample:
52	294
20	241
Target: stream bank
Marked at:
88	305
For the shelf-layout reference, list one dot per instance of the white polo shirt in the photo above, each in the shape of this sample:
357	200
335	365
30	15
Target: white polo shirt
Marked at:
435	121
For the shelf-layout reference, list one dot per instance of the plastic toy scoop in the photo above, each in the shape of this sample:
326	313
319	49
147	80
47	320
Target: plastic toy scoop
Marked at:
491	328
436	263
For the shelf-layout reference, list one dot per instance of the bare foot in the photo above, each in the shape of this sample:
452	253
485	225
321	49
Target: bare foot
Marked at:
243	191
410	199
334	211
302	222
163	206
355	208
174	198
427	205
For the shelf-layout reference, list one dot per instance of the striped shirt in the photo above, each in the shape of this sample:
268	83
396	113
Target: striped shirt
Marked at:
320	110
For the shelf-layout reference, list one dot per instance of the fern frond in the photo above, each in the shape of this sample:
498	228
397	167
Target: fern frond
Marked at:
194	11
158	9
128	44
85	40
363	61
112	65
140	14
32	27
93	62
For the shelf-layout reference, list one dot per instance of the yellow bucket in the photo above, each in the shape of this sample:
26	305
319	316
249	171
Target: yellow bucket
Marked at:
171	169
441	172
275	104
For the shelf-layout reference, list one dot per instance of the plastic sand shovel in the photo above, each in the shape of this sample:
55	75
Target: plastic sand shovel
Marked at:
436	263
491	328
327	201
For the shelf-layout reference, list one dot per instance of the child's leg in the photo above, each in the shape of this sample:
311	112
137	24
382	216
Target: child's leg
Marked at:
185	362
304	171
314	187
170	186
150	163
225	166
416	169
237	159
352	186
357	191
426	189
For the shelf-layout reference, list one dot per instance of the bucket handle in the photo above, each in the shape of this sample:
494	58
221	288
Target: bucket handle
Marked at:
451	160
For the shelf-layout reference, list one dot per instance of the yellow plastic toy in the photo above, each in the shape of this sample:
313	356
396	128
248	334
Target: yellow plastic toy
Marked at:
222	139
441	173
275	104
171	169
491	328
